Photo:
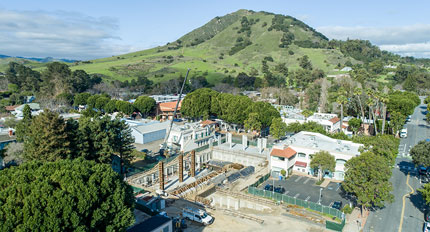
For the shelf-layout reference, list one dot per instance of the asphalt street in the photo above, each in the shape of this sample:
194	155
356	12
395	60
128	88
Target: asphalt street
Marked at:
389	218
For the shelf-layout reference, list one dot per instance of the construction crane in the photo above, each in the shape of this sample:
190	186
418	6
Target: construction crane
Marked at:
163	146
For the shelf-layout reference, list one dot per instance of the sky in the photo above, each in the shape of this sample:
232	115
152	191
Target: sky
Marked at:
84	29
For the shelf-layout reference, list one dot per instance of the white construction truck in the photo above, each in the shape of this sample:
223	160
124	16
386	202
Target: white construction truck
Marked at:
197	215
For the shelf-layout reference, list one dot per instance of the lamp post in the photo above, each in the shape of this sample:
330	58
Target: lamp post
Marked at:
319	201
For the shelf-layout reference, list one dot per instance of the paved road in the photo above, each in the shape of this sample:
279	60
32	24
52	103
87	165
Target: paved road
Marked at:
388	218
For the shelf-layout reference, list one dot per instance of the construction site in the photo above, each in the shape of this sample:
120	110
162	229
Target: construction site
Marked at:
219	187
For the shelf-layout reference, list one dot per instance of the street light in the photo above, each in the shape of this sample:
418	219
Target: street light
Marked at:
319	201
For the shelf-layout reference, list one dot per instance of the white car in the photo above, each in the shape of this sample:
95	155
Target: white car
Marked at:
427	227
404	133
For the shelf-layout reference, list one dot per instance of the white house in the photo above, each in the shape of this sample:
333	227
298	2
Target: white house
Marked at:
19	111
146	131
290	114
330	122
191	135
295	154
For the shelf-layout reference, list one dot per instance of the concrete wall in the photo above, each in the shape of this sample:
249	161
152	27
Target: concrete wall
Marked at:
235	156
233	203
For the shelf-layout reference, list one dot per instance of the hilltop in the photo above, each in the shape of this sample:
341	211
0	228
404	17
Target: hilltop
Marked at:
227	45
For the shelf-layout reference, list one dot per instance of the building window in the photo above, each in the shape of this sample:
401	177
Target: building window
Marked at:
280	158
340	162
175	138
302	155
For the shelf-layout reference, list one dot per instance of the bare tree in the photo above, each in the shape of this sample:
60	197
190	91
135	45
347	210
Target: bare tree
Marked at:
324	95
14	153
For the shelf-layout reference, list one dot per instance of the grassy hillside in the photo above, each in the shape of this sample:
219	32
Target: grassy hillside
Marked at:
228	45
4	63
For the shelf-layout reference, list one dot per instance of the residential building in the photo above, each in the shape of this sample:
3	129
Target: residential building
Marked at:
290	114
35	110
146	131
295	154
346	69
166	109
330	122
190	136
166	98
156	223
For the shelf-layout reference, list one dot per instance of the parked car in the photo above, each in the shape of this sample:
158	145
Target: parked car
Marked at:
280	189
424	179
426	227
337	205
424	171
268	187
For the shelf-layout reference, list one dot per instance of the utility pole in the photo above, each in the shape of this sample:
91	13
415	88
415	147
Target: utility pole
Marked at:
319	201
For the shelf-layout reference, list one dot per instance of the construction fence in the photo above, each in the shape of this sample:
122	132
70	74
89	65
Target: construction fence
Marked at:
252	189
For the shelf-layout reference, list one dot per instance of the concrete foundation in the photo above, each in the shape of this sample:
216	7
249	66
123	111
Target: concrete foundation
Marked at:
228	202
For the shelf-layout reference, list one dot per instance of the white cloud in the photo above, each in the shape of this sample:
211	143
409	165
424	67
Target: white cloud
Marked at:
404	40
59	34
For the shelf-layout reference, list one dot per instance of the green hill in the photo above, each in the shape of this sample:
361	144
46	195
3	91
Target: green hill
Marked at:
227	45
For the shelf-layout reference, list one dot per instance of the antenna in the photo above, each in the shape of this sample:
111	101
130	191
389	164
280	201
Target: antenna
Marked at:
176	108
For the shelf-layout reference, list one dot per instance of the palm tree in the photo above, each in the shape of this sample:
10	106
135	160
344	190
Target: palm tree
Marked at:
384	100
371	101
358	92
342	100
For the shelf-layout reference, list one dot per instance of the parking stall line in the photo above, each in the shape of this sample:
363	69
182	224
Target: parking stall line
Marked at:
307	198
286	192
300	177
298	194
338	187
331	204
306	181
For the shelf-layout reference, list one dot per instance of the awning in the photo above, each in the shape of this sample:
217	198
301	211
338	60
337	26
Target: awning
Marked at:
301	164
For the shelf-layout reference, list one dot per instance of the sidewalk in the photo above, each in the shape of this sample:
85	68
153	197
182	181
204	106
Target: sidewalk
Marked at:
354	221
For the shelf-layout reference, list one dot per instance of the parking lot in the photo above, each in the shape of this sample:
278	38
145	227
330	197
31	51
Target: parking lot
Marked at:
304	188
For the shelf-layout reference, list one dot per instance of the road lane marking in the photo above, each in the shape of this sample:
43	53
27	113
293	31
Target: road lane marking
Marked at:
403	208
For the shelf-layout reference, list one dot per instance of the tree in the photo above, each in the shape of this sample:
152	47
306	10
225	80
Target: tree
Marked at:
125	107
397	121
383	98
367	177
110	107
278	128
358	92
144	104
198	103
101	139
252	123
305	63
81	99
307	113
23	126
342	100
323	161
67	195
14	153
47	138
420	153
101	102
425	191
354	124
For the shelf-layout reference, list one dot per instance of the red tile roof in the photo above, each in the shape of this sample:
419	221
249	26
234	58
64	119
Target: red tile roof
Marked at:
286	153
301	164
334	120
169	106
11	108
207	122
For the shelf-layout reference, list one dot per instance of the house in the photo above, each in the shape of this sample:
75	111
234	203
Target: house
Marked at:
346	69
290	114
191	135
11	109
295	154
166	109
157	223
330	122
166	98
35	110
146	131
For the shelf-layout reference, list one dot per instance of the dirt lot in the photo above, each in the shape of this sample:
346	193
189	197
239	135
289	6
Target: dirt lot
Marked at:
276	220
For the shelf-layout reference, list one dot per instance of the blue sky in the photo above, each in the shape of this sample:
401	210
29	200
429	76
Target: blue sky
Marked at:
91	29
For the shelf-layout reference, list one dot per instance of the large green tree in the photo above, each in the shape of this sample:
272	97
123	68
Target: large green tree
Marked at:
278	128
103	139
252	123
323	161
145	105
367	178
197	104
81	99
23	126
67	195
421	153
397	121
47	138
